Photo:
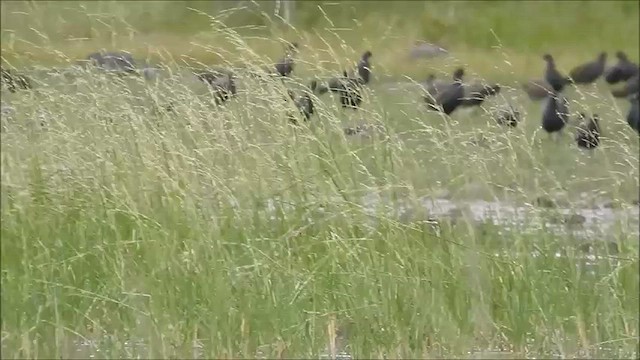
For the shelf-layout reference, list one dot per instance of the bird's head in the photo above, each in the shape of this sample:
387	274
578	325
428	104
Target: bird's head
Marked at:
602	56
458	74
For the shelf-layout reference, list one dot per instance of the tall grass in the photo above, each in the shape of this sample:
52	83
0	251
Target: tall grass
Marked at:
225	232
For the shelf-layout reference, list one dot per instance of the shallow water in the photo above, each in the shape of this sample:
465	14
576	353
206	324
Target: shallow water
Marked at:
579	221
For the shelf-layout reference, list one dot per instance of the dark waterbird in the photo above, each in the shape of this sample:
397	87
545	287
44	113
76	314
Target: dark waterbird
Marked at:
553	76
451	96
507	115
335	83
222	83
115	61
304	104
365	130
623	70
348	89
589	72
432	87
285	66
633	116
318	88
354	130
364	67
537	89
588	132
555	113
476	94
14	81
630	87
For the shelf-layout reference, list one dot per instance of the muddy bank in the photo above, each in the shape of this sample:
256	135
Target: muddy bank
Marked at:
578	220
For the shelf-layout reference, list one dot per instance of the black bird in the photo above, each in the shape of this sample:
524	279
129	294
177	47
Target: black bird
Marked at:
630	87
116	61
335	84
432	87
318	88
589	72
553	76
285	66
633	116
366	130
555	114
588	132
476	94
537	89
507	115
451	96
354	130
14	81
348	89
623	70
222	83
304	104
364	68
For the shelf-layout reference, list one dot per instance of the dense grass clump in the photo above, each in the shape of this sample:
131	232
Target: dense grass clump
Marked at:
143	219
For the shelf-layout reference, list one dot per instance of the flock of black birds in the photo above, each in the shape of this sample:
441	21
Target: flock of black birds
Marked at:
439	95
449	96
555	115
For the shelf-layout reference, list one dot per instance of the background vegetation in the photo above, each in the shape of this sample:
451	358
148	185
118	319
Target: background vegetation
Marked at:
47	33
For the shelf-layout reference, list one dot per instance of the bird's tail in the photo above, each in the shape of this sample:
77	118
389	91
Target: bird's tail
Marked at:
620	93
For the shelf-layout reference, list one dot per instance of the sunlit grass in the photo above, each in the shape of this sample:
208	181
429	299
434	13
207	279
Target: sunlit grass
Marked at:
226	232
